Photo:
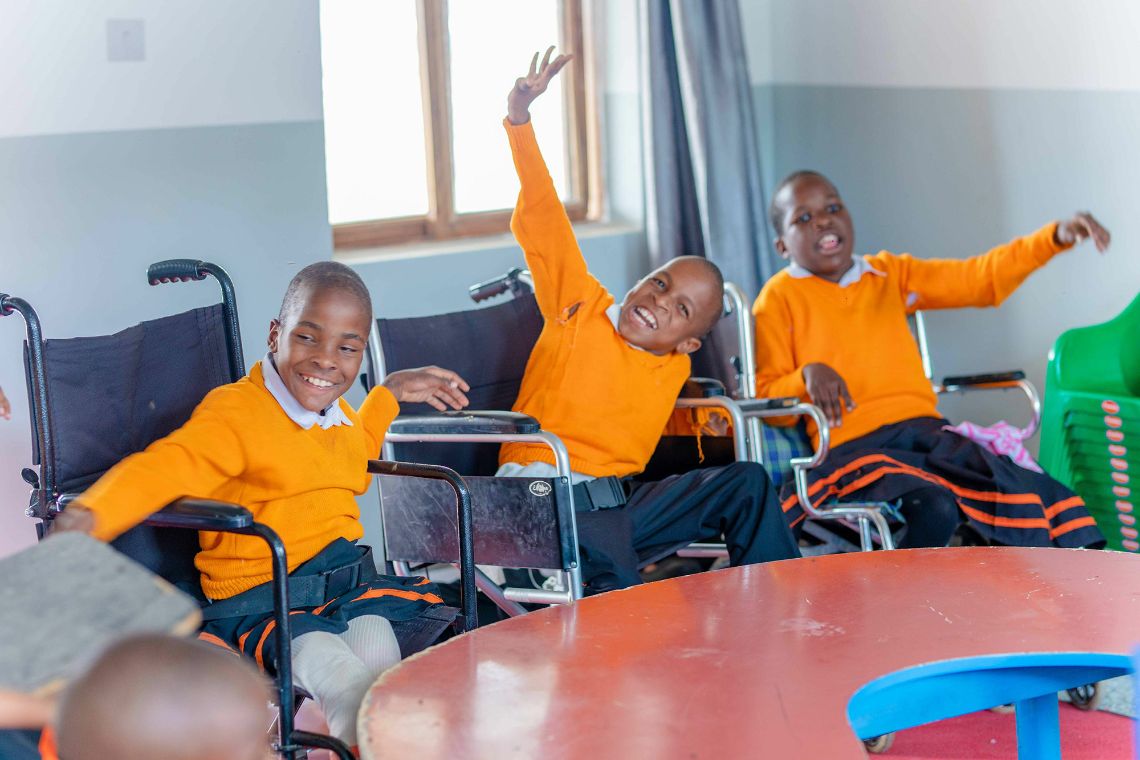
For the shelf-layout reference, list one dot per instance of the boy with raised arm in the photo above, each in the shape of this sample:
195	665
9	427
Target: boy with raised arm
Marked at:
604	376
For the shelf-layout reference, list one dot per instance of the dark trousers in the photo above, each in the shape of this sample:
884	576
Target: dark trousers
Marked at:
737	500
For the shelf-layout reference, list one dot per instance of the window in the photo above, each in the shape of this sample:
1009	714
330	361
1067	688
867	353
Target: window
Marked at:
414	98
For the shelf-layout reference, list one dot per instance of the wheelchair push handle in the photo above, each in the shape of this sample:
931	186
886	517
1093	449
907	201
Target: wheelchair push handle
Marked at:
515	280
177	270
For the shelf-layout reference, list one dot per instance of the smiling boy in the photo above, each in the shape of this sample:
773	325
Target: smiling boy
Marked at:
605	377
832	327
284	444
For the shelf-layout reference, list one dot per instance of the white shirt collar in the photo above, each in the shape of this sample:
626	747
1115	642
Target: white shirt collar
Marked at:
330	417
859	267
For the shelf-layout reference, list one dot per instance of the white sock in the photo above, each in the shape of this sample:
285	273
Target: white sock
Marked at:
371	638
324	666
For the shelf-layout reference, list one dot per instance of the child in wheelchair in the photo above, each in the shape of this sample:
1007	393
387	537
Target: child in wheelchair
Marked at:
604	376
832	327
283	443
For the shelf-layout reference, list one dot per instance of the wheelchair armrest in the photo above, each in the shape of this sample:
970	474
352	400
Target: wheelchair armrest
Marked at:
466	423
202	514
702	387
753	405
963	382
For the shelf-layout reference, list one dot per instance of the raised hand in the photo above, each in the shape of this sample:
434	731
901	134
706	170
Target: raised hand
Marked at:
1083	225
528	88
438	387
828	391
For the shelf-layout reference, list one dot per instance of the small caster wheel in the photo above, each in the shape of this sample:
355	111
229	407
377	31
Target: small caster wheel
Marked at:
877	745
1002	709
1086	697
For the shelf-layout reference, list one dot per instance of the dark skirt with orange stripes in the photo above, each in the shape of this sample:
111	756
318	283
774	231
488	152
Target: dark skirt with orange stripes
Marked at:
397	599
1004	503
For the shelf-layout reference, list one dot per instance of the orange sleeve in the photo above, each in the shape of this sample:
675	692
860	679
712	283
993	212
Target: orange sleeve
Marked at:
376	414
194	460
984	280
543	229
778	374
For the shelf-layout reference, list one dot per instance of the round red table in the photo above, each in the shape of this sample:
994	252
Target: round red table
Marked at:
766	659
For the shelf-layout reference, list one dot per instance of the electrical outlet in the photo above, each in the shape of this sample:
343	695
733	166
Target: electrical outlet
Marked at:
126	39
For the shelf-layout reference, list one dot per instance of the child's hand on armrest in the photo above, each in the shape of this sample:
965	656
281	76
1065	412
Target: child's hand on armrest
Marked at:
431	385
1083	225
828	391
528	88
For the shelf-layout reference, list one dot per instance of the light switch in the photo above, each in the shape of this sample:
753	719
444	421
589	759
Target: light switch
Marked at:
126	40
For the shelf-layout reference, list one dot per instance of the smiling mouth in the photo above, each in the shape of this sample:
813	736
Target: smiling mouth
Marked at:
317	382
829	243
644	317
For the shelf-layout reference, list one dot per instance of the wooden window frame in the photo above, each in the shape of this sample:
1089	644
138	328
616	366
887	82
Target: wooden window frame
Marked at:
442	222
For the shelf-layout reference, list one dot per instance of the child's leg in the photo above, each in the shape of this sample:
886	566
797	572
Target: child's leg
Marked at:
324	666
371	638
737	500
932	516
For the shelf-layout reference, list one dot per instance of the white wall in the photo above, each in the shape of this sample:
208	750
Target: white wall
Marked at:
1022	44
208	62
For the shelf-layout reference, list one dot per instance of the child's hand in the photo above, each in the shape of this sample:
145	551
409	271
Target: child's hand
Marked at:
716	426
432	385
828	391
5	407
75	518
1083	225
532	85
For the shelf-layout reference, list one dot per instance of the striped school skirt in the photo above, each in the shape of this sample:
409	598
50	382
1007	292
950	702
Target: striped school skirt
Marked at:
1004	503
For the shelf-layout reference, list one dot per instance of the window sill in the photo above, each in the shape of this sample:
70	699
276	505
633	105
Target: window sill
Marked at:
428	249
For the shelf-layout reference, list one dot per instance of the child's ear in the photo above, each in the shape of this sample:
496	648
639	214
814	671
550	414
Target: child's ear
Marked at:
274	335
781	249
688	346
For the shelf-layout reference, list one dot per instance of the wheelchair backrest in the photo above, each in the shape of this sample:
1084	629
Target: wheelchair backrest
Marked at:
488	347
110	396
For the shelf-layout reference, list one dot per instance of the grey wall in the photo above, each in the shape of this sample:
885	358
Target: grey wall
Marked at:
943	172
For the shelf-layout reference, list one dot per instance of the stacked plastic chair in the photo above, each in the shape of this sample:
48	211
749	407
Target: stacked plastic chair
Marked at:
1090	436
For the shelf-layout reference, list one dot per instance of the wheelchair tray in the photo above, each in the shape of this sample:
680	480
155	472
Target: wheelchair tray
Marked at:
515	520
68	597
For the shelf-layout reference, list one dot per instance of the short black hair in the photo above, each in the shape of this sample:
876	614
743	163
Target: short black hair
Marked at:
775	212
718	278
325	275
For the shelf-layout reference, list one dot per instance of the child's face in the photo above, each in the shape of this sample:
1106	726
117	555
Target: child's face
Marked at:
817	230
669	309
319	346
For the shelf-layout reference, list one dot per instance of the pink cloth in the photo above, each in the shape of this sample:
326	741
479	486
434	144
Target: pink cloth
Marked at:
1000	438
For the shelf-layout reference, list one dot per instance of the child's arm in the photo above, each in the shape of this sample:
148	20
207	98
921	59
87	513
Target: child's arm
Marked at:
20	710
5	407
194	460
990	278
778	374
540	223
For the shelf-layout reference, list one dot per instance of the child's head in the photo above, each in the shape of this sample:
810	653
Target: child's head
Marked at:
673	307
157	696
319	336
812	225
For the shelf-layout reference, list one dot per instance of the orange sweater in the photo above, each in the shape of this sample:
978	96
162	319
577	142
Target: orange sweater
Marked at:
605	399
239	446
861	330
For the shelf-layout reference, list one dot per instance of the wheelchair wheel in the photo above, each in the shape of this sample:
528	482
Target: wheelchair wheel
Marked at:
1086	697
877	745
